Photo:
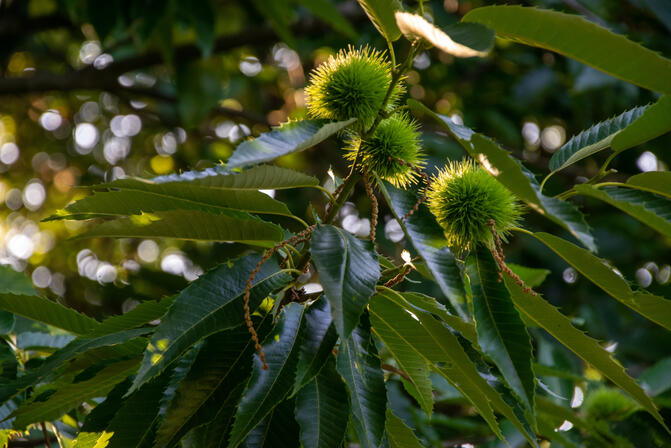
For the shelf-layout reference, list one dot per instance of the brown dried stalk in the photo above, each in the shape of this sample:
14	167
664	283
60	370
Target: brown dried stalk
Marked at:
500	258
373	201
298	238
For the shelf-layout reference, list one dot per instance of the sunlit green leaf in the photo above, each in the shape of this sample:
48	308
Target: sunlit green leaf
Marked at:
289	138
381	13
606	50
658	182
44	310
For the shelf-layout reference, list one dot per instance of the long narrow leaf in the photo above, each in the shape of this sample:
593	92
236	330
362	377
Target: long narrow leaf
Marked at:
566	34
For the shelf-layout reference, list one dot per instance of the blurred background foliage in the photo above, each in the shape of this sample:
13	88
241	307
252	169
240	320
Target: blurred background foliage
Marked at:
91	91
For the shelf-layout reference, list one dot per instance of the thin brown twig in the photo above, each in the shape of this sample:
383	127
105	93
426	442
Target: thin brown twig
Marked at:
500	258
374	205
46	435
390	368
399	277
299	237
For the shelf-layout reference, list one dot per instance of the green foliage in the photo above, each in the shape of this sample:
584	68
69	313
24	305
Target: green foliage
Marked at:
605	52
199	303
464	198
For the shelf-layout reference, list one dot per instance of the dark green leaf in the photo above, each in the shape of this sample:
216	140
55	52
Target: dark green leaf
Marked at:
136	202
606	51
551	320
69	396
400	435
214	382
7	321
269	387
278	430
191	225
210	304
135	423
74	348
414	26
317	346
653	123
655	308
142	314
649	208
348	270
32	340
381	13
501	334
261	177
427	238
98	419
47	311
286	139
322	410
359	365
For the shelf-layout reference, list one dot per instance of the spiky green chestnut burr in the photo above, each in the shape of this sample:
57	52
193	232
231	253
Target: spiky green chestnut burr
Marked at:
393	152
464	198
608	404
351	84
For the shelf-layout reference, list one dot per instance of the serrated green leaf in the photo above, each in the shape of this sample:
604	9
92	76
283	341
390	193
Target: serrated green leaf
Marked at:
261	177
55	361
142	314
291	137
428	239
658	182
222	365
653	123
594	139
605	52
348	270
278	430
190	225
559	326
134	202
656	309
97	420
649	208
359	365
400	435
47	311
321	410
69	396
13	282
431	305
442	350
135	423
210	304
501	333
463	40
414	365
269	387
381	13
320	338
32	340
514	176
449	360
